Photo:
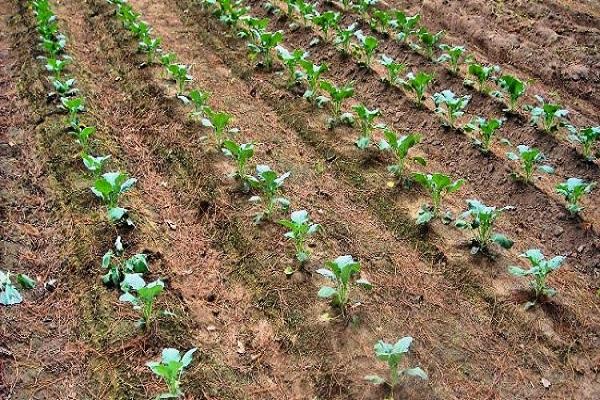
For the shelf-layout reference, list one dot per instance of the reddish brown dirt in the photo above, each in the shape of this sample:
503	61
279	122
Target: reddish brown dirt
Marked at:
554	42
259	333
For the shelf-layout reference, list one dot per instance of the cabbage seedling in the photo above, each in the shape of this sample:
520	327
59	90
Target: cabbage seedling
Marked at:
300	228
327	21
291	7
454	106
218	121
149	45
291	61
366	123
74	106
362	6
482	74
312	73
338	94
572	190
514	88
417	84
481	219
170	368
393	68
231	12
540	269
429	40
269	185
94	164
380	20
405	25
400	146
240	153
392	354
343	37
180	73
144	298
54	45
438	185
587	137
199	99
530	158
266	42
546	115
116	270
56	66
64	88
452	55
366	47
255	26
486	130
82	136
307	10
341	271
109	187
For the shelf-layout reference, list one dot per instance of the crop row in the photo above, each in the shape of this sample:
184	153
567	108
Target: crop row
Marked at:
127	274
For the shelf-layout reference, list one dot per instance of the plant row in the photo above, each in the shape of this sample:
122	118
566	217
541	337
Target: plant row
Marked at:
126	274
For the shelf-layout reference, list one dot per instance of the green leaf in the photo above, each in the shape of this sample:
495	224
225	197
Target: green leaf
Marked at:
502	240
25	281
375	379
10	296
326	292
416	372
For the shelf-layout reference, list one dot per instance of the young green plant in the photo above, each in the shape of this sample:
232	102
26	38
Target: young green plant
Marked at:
365	119
438	185
587	137
405	25
530	158
366	47
269	185
312	74
266	42
241	154
453	56
218	121
144	298
514	89
482	74
109	187
393	354
341	272
393	69
486	130
573	189
337	95
417	84
481	218
450	106
291	62
429	40
300	228
539	270
170	368
399	146
546	116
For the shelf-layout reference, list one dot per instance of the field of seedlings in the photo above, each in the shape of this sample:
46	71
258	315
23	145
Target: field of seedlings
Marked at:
286	199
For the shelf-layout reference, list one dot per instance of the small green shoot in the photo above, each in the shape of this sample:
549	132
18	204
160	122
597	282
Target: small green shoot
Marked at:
438	185
417	84
170	368
341	271
481	218
453	106
269	185
399	146
573	189
486	130
540	269
547	116
300	228
529	158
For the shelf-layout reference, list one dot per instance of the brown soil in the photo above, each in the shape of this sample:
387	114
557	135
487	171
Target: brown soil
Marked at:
260	334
